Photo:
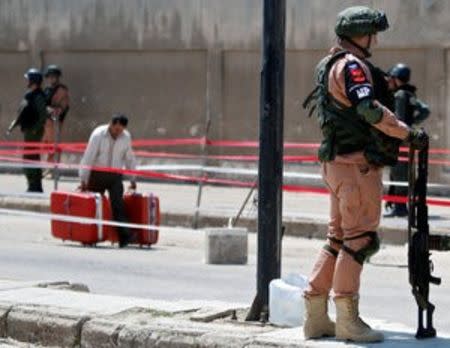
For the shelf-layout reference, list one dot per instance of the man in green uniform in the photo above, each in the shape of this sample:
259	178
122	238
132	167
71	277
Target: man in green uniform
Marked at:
31	118
360	136
412	111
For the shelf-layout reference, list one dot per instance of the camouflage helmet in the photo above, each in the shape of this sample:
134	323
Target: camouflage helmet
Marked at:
360	21
53	69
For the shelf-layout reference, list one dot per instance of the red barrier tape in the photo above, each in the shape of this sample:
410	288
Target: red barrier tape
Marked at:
206	180
191	141
20	152
241	158
79	148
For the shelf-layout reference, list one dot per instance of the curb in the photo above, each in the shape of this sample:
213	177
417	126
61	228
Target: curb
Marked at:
33	316
71	327
301	227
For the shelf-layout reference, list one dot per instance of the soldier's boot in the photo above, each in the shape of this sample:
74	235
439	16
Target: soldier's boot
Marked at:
399	210
35	187
317	322
349	326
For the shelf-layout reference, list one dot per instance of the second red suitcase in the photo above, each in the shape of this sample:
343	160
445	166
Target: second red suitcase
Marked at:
81	204
142	209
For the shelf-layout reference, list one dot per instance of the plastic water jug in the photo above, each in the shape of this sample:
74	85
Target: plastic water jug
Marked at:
286	306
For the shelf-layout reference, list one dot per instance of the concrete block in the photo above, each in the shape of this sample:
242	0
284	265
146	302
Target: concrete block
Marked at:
78	287
48	326
162	333
226	246
207	315
4	311
100	333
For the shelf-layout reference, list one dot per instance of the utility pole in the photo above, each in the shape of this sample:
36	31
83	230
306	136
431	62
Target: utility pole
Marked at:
270	178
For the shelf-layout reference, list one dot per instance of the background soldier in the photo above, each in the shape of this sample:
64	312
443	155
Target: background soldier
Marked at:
360	136
412	111
31	118
57	96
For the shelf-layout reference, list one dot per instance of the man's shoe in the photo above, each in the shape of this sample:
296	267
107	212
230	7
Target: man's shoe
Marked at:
123	244
126	239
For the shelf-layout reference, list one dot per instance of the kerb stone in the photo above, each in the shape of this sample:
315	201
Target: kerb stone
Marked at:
48	326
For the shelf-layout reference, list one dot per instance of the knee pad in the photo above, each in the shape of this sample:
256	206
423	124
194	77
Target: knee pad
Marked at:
369	250
330	249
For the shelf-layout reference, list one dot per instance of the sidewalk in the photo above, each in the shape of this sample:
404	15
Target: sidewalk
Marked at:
305	214
41	315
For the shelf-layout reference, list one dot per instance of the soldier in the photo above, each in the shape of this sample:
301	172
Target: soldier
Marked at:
360	136
412	111
31	118
57	96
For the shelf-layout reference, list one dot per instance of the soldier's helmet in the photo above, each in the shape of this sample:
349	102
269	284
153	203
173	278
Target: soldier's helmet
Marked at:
34	76
53	69
359	21
401	71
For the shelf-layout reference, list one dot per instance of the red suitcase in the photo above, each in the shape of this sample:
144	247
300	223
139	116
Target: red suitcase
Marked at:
81	204
141	209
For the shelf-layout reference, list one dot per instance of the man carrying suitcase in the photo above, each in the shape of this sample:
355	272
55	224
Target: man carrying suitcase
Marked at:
110	146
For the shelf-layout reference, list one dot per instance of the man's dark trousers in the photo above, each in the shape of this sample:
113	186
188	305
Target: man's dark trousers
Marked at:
112	182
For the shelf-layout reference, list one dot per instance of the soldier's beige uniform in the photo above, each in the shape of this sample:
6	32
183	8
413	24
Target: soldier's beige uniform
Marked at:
355	193
59	104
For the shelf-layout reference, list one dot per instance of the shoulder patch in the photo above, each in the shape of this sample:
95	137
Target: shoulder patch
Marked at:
356	72
357	84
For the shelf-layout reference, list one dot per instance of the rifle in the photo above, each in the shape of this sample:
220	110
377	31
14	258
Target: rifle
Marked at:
13	125
420	242
20	116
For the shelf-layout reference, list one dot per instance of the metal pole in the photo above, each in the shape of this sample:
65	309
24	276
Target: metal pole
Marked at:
202	175
56	156
233	221
270	155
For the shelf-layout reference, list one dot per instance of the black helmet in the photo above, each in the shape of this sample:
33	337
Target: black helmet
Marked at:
34	76
401	71
53	69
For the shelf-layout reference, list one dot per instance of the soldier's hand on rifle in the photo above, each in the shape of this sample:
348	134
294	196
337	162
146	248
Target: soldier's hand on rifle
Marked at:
418	138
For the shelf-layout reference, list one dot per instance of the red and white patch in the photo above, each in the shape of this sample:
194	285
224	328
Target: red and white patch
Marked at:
357	74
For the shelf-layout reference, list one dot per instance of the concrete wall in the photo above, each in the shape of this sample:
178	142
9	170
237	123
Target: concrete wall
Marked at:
170	64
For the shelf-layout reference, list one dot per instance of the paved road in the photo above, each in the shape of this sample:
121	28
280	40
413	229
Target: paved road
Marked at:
174	269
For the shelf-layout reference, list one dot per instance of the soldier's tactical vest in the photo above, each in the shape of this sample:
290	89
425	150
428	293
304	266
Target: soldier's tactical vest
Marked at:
50	93
28	115
407	93
344	130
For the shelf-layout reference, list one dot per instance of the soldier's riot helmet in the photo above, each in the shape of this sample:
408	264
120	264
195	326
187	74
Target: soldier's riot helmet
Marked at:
34	76
359	21
401	71
53	69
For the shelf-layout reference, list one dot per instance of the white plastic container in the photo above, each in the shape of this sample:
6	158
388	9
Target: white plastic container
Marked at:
286	306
